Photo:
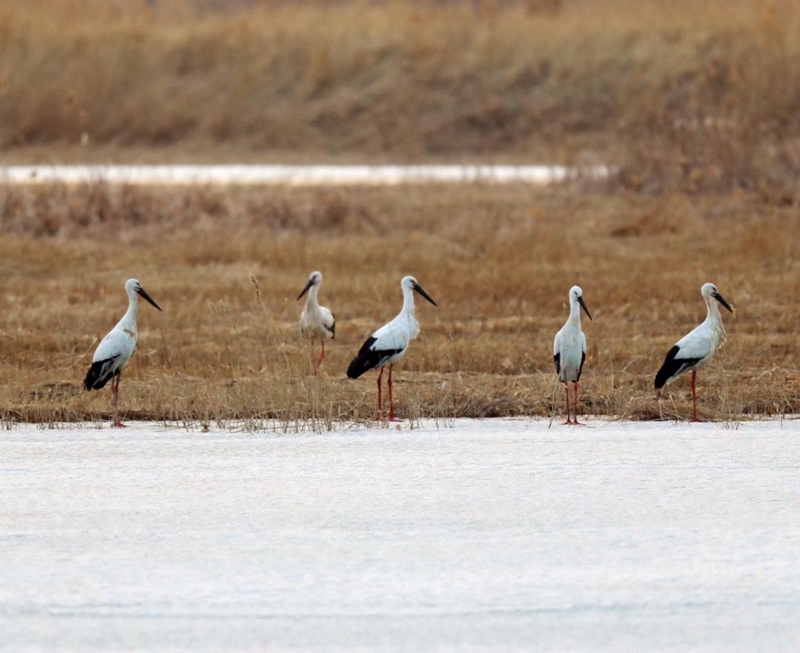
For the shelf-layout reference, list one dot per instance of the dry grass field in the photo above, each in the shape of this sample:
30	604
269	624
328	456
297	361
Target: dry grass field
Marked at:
681	94
498	259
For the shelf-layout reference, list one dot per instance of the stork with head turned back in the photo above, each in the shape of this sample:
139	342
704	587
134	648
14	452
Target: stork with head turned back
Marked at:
389	344
569	348
316	322
696	348
116	350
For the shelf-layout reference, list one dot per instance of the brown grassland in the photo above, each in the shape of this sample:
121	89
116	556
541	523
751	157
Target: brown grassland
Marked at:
498	259
695	104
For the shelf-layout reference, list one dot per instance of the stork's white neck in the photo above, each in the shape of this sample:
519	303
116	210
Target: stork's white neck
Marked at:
408	301
312	300
714	319
713	310
574	310
129	319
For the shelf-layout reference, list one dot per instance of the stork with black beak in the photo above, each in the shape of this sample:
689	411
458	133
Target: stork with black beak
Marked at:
316	322
569	348
390	343
116	350
696	348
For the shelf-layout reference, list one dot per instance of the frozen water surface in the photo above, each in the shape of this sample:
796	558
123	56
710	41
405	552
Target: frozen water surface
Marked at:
297	175
493	535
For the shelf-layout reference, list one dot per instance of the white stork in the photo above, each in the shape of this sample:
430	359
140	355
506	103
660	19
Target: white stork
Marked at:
316	322
696	348
389	344
569	348
117	348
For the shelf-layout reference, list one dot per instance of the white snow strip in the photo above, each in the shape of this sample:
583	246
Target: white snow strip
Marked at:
296	175
468	535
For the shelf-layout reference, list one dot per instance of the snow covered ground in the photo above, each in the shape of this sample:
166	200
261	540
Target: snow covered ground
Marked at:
295	175
495	535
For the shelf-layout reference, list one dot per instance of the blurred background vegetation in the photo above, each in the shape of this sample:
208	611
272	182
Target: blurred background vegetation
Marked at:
682	94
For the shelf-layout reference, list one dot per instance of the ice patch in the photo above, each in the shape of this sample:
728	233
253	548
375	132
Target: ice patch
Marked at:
491	535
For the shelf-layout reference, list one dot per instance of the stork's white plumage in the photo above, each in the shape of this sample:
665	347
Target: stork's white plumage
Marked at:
389	344
696	348
117	348
569	348
316	322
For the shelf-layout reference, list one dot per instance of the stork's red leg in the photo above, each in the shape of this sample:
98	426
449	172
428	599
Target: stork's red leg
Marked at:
114	400
391	398
379	416
694	396
117	423
575	406
322	358
566	393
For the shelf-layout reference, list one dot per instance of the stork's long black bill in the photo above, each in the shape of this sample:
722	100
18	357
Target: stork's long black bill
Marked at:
422	292
722	301
583	306
305	290
144	294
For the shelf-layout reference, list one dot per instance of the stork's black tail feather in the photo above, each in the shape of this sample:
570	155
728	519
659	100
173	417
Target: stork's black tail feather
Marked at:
98	375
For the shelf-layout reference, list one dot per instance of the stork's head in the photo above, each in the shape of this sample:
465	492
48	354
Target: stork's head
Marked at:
576	295
410	283
709	291
135	288
314	279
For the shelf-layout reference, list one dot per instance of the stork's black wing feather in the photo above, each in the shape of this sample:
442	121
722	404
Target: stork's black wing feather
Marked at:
580	369
557	361
673	366
100	373
368	358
